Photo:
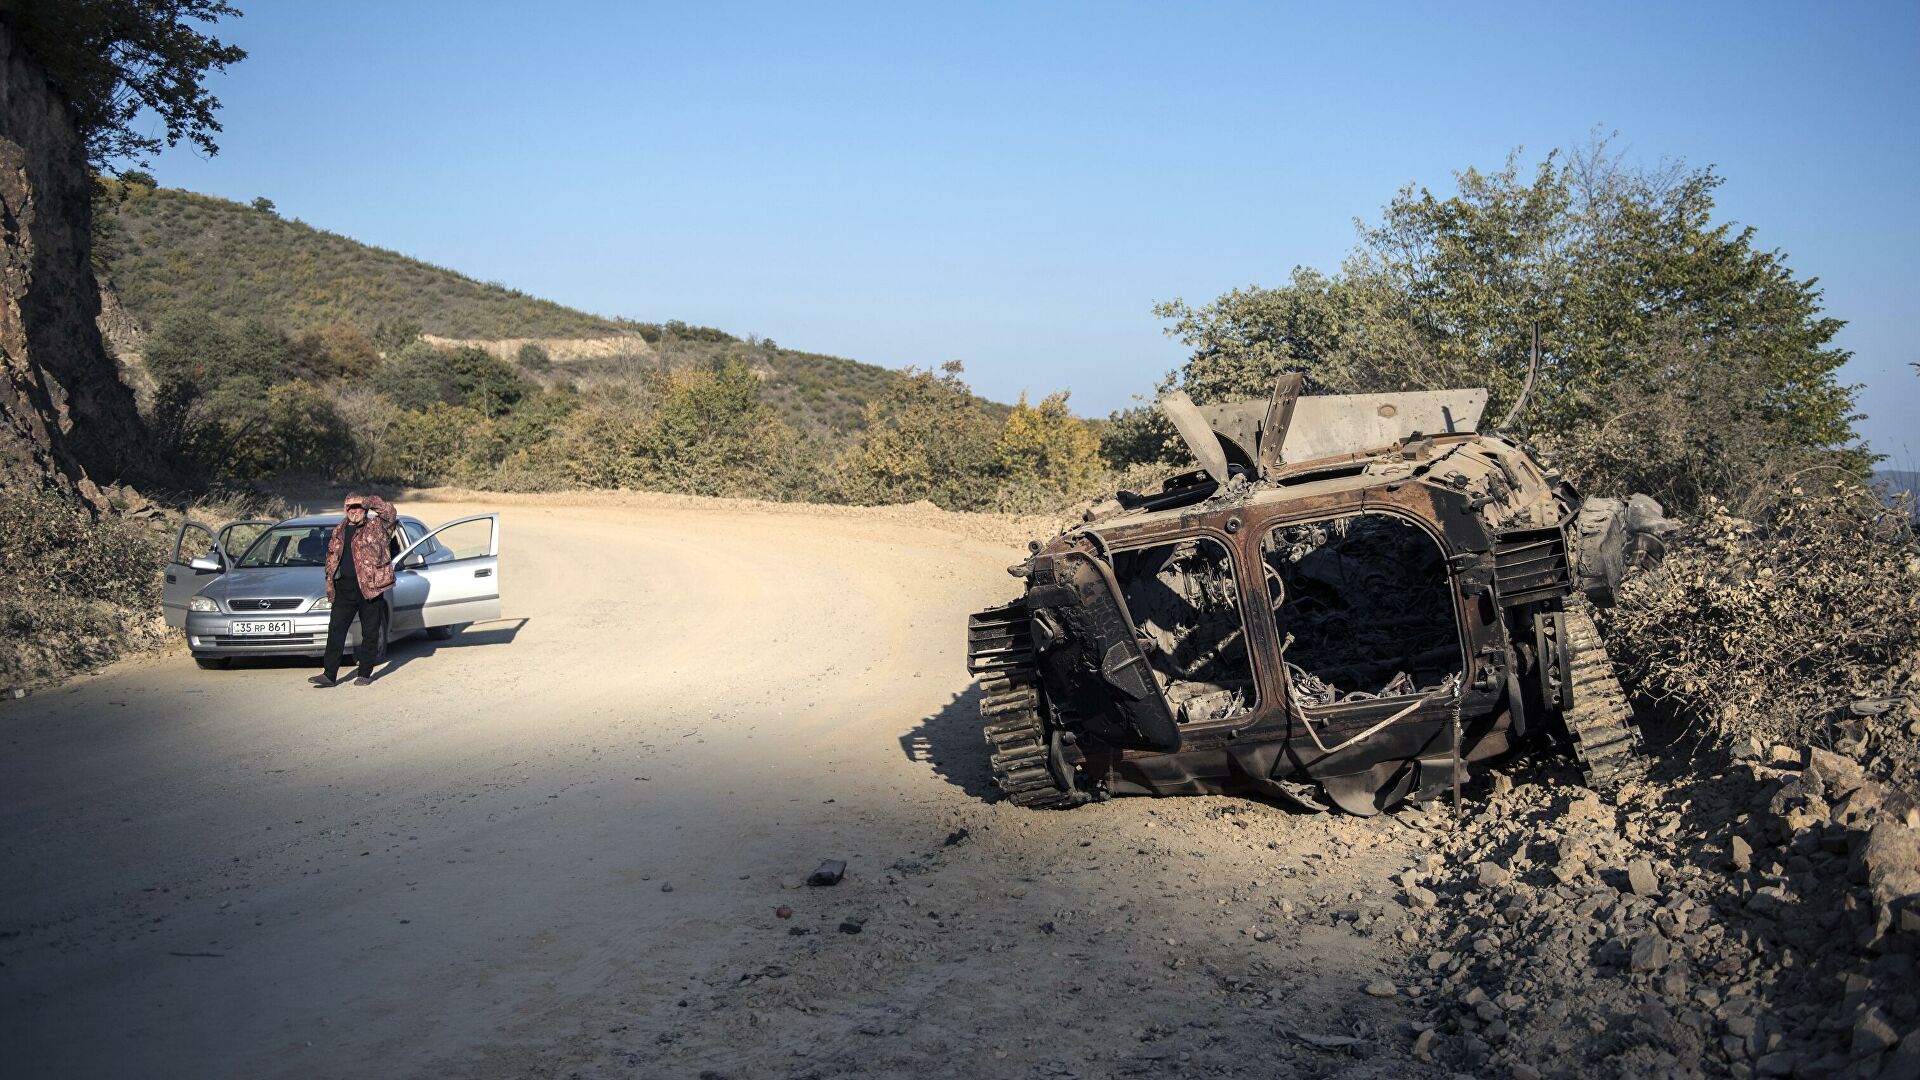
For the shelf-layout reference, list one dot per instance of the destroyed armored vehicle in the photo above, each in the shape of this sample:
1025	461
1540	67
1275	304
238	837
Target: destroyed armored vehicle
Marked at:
1349	601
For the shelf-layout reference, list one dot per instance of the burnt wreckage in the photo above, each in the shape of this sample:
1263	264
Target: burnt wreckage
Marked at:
1352	598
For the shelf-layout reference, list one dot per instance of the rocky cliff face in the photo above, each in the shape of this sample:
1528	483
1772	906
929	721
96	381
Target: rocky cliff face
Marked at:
66	419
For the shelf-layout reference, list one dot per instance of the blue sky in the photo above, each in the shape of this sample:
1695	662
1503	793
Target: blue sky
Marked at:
1015	185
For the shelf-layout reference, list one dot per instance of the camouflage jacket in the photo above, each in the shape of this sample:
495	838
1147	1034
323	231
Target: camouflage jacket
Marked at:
372	561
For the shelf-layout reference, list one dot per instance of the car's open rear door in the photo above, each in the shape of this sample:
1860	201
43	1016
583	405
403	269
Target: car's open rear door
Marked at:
1080	592
459	563
194	541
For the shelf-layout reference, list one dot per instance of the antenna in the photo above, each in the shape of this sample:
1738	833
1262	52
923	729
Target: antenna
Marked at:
1526	392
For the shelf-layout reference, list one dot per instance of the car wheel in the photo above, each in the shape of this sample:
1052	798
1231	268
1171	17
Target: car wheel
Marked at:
213	663
442	633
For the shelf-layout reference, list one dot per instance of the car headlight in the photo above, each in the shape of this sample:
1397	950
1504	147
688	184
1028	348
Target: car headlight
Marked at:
201	603
322	604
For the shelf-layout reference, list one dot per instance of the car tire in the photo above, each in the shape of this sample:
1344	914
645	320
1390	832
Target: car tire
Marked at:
442	633
213	663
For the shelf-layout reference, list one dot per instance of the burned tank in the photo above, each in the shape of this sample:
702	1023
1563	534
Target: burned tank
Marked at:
1351	600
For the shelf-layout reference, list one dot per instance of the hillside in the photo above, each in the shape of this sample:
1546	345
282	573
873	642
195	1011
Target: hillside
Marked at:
161	250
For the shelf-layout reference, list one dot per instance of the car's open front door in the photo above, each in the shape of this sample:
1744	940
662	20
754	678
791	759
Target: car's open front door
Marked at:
237	536
459	566
194	542
1080	596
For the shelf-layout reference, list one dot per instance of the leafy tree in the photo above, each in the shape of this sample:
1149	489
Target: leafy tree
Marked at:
1636	292
1048	447
926	438
334	351
308	431
138	178
710	433
112	59
264	205
392	336
534	358
430	445
487	383
419	376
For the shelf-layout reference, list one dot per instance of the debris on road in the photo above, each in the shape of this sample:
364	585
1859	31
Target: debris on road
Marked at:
828	873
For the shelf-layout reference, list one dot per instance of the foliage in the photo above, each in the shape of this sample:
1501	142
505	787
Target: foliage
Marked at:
534	358
1046	446
430	445
1767	626
112	60
263	204
76	587
926	438
306	432
334	351
1631	283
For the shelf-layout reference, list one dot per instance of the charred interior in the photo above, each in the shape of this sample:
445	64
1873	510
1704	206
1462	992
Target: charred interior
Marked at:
1186	611
1364	608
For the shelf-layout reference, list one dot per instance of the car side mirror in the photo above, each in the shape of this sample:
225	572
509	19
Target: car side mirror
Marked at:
413	560
204	563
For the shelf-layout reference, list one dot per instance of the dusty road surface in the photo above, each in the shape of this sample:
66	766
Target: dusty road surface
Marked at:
555	845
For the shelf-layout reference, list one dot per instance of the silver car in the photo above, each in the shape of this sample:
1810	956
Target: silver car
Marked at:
258	588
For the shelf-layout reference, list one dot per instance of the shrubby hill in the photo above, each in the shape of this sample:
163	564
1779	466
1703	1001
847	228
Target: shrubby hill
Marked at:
167	249
164	252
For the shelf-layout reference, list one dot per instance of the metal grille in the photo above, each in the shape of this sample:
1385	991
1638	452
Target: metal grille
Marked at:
1529	565
999	640
275	604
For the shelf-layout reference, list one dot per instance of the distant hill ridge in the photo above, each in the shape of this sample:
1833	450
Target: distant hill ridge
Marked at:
166	249
161	250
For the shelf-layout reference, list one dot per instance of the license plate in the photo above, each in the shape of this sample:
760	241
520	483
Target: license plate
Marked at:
251	628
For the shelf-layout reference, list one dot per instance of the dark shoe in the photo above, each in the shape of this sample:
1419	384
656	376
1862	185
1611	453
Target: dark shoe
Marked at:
364	680
324	680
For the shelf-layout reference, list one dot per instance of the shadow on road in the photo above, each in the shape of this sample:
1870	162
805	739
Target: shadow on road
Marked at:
951	742
472	635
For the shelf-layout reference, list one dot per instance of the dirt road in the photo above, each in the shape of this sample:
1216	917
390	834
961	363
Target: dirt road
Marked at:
555	845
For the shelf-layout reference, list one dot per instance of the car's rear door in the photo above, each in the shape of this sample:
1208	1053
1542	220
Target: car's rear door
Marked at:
183	581
459	566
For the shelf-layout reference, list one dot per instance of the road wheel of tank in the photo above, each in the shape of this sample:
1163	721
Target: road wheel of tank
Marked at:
1601	731
213	663
1015	729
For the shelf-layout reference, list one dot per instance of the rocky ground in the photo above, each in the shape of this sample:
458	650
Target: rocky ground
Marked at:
1746	916
552	849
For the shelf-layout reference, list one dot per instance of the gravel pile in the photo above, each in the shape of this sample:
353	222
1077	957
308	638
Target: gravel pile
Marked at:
1758	918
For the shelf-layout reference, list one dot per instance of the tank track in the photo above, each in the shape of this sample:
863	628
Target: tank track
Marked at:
1010	715
1600	726
1000	650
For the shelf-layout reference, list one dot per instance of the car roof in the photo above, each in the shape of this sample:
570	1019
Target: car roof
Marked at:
330	520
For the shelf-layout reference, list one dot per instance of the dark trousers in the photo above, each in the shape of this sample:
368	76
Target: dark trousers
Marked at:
348	605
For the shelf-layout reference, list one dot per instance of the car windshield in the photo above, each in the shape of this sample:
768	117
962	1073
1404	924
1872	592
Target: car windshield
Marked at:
289	545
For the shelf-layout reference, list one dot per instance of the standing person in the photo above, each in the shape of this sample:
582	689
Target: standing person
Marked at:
359	571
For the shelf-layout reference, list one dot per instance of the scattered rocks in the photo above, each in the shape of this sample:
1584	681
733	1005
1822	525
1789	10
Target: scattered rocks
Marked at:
828	873
852	926
1740	853
1381	988
1757	918
1650	953
1640	879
